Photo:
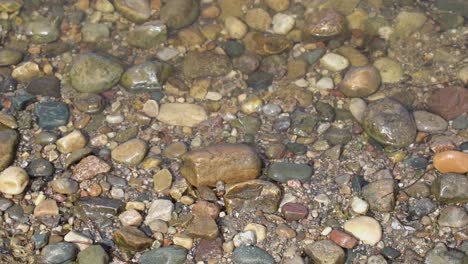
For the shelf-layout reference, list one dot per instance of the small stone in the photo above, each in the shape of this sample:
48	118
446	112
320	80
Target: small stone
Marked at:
209	249
390	70
294	211
360	81
159	209
42	30
453	216
283	172
130	153
10	57
325	83
164	255
130	238
449	102
183	241
89	103
258	18
428	122
175	150
13	180
93	254
64	186
235	27
282	23
10	5
359	206
8	142
89	167
148	35
266	44
325	252
390	253
98	209
148	76
137	11
334	62
71	142
246	238
451	188
260	80
380	195
202	227
364	228
376	259
181	114
59	253
407	23
252	195
78	239
205	64
324	24
357	107
130	218
343	239
162	180
94	33
259	230
45	86
26	71
355	57
151	108
92	73
204	208
179	13
284	231
52	114
278	5
46	208
451	162
251	254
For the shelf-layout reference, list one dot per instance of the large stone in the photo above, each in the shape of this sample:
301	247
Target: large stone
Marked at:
131	239
325	252
451	188
92	73
324	24
89	167
205	64
147	76
93	254
13	180
164	255
252	195
364	228
46	86
52	114
230	163
202	226
179	13
181	114
137	11
451	162
8	141
59	253
380	195
453	216
251	254
360	81
130	153
389	123
449	102
441	255
148	35
10	57
159	209
283	172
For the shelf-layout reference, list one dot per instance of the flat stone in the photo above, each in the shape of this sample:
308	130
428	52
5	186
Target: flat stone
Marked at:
130	218
343	239
59	253
131	239
407	23
251	254
8	142
380	195
64	186
93	254
324	24
246	238
181	114
148	76
230	163
252	195
259	230
13	180
450	188
164	255
449	102
98	209
52	114
441	255
325	252
360	81
209	249
390	70
45	86
235	27
294	211
179	13
78	239
175	150
10	56
89	103
428	122
162	180
94	32
205	64
130	153
137	11
71	142
266	44
89	167
258	19
453	216
202	227
159	209
46	208
148	35
364	228
283	172
451	162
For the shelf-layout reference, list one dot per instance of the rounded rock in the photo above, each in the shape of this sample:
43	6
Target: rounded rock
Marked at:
282	23
360	81
258	18
179	13
13	180
365	228
130	153
10	57
390	70
428	122
451	162
59	253
137	11
334	62
235	27
251	254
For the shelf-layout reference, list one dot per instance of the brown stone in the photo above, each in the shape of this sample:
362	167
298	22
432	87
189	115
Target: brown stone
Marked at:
266	44
209	249
202	227
230	163
252	195
8	142
204	208
449	102
294	211
360	81
130	238
343	239
285	231
451	162
46	208
89	168
325	23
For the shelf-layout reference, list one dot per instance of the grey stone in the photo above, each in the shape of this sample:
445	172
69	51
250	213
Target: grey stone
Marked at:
59	253
441	255
453	216
380	195
165	255
93	254
251	254
451	188
283	171
52	114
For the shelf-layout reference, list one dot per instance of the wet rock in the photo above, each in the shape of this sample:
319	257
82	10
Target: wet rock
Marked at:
98	209
181	114
234	48
451	188
164	255
71	142
59	253
202	227
179	13
252	195
40	168
42	31
294	211
94	33
325	23
159	209
338	136
52	114
10	57
175	150
390	70
147	76
88	168
364	228
26	71
278	5
148	35
130	153
8	141
283	172
131	239
360	81
162	180
440	255
130	218
10	6
449	102
93	254
209	249
64	186
427	122
343	239
89	103
389	123
260	80
407	23
357	107
205	64
45	86
355	57
230	163
251	254
235	27
247	63
137	11
13	180
92	73
325	252
453	216
334	62
390	253
266	44
258	18
451	162
380	195
46	208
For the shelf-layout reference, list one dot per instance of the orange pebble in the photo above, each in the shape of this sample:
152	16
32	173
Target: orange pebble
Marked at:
451	162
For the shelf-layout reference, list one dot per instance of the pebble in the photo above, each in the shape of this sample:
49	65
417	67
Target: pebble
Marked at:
89	167
137	11
148	35
450	188
92	73
334	62
78	239
179	13
130	239
246	238
239	198
390	253
284	231
278	5
440	254
130	153
94	33
98	209
147	76
71	142
357	107
181	114
389	123
130	218
376	259
359	206
230	163
251	254
42	31
282	23
283	172
162	180
235	27
258	18
183	241
10	57
164	255
449	102
453	216
8	142
364	228
205	64
343	239
209	249
46	208
45	86
360	81
259	230
64	186
325	252
421	207
89	103
52	114
59	253
151	108
324	24
266	44
26	71
294	211
380	195
202	227
325	83
390	70
13	180
451	162
428	122
175	150
159	209
93	254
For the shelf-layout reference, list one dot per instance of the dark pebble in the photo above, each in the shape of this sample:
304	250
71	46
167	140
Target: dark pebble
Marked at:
52	114
40	168
234	48
260	80
45	86
390	253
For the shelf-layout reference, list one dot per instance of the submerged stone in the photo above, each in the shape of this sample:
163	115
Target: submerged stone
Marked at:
249	196
147	76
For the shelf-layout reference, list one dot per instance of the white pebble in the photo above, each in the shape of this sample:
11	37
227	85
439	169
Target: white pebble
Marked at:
282	23
13	180
325	83
334	62
359	206
357	106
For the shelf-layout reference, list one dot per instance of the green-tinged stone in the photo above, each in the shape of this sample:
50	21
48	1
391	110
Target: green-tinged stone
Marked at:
92	32
179	13
456	6
148	35
205	64
131	239
147	76
126	134
10	57
247	124
76	156
8	141
42	31
59	253
52	114
252	195
137	11
131	152
93	254
336	136
283	172
10	6
165	255
250	255
451	188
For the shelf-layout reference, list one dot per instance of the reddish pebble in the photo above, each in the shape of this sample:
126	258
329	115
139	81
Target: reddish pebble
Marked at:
206	208
209	249
343	239
294	211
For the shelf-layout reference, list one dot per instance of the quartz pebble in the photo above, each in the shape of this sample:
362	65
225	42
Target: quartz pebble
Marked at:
282	23
334	62
359	206
235	27
71	142
364	228
181	114
159	210
13	180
